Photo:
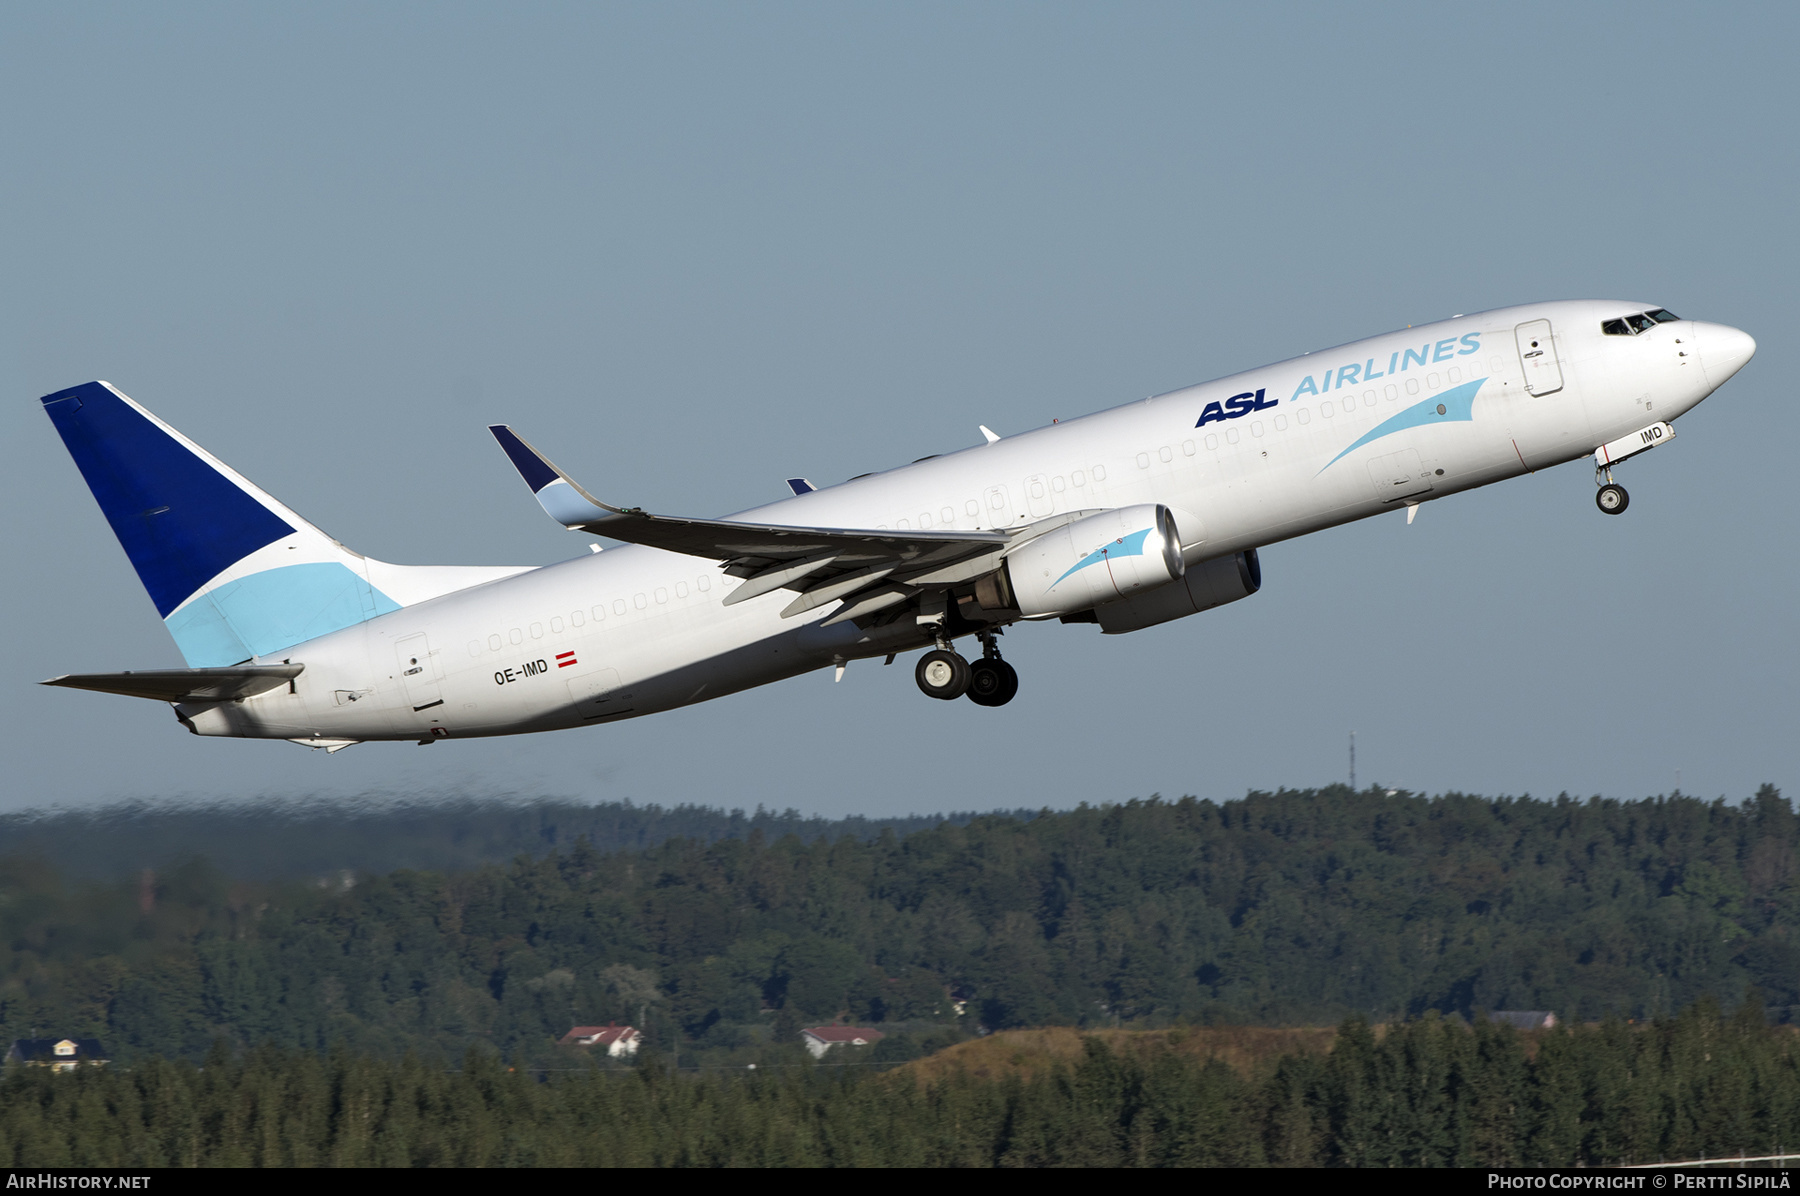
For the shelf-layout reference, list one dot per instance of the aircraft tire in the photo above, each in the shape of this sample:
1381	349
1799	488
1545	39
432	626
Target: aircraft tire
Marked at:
1612	499
942	674
992	682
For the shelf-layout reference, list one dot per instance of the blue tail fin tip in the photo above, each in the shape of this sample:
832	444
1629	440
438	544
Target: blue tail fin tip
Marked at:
180	520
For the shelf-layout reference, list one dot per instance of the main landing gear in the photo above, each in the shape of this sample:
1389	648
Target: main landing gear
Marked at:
989	681
1611	498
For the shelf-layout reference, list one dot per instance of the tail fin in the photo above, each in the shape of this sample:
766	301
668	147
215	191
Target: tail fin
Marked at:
233	573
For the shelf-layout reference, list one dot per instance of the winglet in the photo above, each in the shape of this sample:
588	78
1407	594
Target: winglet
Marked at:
556	492
988	432
800	486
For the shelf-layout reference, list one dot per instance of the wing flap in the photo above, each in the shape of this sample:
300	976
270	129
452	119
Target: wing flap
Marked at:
185	685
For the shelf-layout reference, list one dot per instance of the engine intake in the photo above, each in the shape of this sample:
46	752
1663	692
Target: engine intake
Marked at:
1100	559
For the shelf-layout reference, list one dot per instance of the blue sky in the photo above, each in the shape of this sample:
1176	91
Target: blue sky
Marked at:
693	250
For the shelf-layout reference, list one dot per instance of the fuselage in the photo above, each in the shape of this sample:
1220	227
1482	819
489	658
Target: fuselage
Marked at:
1243	462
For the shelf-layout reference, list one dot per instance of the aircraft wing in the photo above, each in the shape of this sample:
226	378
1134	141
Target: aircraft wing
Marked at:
823	563
185	685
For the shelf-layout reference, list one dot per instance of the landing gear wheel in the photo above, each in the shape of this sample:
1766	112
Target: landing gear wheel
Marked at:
992	682
942	674
1612	499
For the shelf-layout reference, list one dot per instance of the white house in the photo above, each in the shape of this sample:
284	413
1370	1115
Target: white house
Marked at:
820	1039
620	1041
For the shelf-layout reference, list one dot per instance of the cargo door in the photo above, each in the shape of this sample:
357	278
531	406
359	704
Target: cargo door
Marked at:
1399	475
1537	354
418	672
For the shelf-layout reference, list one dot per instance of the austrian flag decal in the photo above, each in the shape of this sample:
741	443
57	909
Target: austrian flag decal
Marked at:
564	659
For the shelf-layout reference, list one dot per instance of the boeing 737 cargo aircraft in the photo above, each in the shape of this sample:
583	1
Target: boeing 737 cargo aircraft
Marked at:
1127	518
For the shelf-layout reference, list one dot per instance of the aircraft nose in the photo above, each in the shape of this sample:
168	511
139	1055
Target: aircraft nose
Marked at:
1724	351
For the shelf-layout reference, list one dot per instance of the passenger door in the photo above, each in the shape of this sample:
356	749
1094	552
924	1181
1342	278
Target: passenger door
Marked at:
1537	354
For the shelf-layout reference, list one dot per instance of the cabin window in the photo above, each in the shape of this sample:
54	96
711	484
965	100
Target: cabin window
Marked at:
1057	484
1281	423
1099	473
1304	416
1393	392
1187	447
576	618
703	583
662	594
948	514
1433	381
516	636
537	631
1326	409
681	590
971	508
1166	453
493	643
925	518
1231	436
1256	427
619	605
1143	460
556	625
1212	443
903	524
474	647
639	600
1455	375
599	613
1079	478
1412	386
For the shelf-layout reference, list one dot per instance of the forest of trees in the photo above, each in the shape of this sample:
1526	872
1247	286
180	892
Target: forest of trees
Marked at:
287	840
1431	1092
1285	908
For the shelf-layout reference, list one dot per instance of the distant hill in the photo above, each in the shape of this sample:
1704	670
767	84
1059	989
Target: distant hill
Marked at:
376	833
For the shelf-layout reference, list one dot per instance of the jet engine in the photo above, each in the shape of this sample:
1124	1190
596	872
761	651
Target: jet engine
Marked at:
1206	585
1100	559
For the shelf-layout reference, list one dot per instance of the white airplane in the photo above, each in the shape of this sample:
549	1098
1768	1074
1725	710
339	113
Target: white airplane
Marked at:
1127	518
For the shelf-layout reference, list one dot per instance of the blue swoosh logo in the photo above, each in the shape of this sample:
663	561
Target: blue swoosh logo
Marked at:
1458	402
1132	545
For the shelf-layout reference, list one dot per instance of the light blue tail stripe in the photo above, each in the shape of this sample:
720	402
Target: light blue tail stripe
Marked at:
275	609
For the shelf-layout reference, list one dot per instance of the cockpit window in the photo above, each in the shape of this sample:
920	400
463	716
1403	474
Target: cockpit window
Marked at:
1634	324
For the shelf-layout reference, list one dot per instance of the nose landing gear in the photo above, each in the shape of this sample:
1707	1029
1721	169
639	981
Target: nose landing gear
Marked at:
1611	498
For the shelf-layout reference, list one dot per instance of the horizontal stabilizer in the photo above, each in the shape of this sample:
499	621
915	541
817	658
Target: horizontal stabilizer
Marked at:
185	685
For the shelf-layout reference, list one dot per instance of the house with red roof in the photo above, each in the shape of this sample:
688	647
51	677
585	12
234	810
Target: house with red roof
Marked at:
819	1039
621	1042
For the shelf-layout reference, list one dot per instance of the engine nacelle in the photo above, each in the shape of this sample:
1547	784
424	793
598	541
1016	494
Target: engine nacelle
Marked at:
1214	583
1100	559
